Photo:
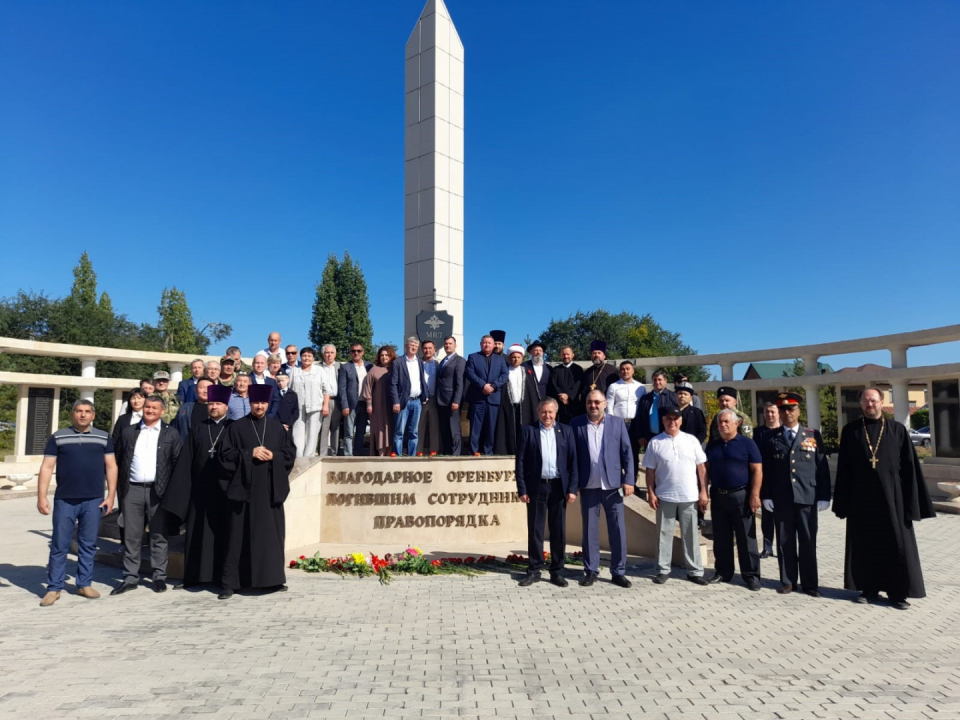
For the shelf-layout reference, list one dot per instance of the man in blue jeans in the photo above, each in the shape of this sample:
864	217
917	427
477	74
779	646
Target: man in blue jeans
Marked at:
83	456
408	393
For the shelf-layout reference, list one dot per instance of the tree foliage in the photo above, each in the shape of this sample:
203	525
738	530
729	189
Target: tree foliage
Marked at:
341	309
627	335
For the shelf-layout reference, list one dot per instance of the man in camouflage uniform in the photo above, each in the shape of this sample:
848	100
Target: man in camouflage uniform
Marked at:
161	381
727	397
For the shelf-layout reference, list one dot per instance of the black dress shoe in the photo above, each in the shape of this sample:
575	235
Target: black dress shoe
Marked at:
621	581
753	584
159	586
697	579
123	587
558	580
785	589
813	592
278	588
716	578
899	604
588	579
865	598
529	579
225	594
766	554
182	586
660	579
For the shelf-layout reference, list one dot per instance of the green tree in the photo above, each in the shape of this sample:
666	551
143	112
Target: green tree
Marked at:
341	309
627	335
177	333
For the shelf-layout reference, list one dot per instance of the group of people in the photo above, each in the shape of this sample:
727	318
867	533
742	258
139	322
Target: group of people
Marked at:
215	456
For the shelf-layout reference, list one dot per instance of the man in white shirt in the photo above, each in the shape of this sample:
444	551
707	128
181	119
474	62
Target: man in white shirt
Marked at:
541	371
408	392
428	432
623	395
273	345
676	485
330	424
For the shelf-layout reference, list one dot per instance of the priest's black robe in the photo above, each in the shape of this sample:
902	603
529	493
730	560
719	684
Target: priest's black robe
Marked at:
880	506
566	380
513	416
195	497
596	377
255	491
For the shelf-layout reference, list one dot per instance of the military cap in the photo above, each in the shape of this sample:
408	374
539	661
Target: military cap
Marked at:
161	375
726	390
788	398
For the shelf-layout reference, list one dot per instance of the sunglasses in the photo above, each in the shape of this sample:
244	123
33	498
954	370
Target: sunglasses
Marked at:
292	353
357	351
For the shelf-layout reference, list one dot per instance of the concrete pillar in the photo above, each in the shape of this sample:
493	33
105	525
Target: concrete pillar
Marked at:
901	401
55	412
841	419
726	371
648	371
20	434
754	412
88	368
117	404
811	365
176	375
812	401
898	357
933	429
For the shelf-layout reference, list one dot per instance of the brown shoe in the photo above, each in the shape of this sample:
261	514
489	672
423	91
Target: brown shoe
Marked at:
50	598
88	592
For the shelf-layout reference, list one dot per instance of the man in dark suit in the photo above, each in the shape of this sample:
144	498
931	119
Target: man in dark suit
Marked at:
354	410
564	385
288	407
547	479
408	393
607	475
647	423
541	371
449	395
762	433
260	376
187	389
796	486
487	373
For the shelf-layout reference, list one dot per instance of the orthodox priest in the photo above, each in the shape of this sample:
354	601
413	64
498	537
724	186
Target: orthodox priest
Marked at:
195	495
881	492
518	403
600	375
256	454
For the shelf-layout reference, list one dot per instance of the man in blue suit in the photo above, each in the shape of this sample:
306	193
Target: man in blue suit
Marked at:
607	475
487	373
546	469
408	393
187	389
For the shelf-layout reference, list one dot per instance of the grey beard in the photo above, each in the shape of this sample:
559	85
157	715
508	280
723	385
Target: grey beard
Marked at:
598	362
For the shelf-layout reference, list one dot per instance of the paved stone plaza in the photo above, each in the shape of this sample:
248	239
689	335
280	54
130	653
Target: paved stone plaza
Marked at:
479	647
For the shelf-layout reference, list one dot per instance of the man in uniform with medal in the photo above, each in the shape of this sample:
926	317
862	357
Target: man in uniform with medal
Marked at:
880	491
195	495
796	487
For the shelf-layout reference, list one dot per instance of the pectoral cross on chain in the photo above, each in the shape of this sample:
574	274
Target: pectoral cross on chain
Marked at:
873	462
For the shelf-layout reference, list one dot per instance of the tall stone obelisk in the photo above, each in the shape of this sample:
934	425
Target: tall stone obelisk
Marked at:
433	178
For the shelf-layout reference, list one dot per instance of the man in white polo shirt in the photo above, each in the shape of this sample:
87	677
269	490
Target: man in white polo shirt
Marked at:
676	485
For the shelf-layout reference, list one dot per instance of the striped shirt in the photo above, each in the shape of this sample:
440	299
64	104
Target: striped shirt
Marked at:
80	457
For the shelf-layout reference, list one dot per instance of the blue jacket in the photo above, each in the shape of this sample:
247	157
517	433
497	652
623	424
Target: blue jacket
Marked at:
187	390
348	386
615	452
529	462
400	382
478	375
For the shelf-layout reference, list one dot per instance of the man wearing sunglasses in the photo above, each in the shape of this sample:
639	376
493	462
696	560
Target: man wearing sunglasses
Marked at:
353	408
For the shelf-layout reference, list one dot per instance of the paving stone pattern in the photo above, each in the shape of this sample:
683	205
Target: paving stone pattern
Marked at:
479	648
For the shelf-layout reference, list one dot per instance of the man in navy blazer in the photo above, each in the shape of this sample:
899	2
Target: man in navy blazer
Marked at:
547	479
487	373
606	476
187	389
539	368
408	393
349	384
449	396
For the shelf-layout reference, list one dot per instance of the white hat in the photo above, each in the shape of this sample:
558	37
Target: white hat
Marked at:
515	348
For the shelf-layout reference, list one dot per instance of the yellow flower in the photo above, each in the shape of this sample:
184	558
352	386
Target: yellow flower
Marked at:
419	551
359	558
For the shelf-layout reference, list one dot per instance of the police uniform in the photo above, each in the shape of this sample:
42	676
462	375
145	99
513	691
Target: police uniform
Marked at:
796	477
746	422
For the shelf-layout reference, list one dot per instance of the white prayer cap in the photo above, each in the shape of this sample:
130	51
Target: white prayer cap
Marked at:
515	348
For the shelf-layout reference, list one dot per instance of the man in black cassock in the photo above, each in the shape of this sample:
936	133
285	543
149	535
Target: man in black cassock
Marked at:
881	492
598	376
518	403
195	495
564	386
256	455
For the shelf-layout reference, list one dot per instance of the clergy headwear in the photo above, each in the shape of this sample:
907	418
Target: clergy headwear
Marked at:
535	344
498	335
260	393
729	391
219	394
598	345
788	398
515	348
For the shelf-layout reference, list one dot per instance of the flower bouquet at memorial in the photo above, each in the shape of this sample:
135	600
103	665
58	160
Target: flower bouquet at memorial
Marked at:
353	564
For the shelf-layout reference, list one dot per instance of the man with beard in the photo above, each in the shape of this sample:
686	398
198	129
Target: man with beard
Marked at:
541	371
518	407
195	495
598	377
256	456
499	337
880	491
564	385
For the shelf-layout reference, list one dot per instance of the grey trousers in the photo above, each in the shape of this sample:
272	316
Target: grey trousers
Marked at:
140	506
354	429
330	430
612	503
667	515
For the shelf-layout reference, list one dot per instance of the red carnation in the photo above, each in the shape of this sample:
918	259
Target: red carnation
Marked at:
303	557
293	563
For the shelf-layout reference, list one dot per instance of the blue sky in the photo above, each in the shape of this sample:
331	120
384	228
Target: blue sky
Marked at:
752	174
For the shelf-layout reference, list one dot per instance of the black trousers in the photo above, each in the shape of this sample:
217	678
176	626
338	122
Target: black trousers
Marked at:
797	524
450	436
767	524
733	518
547	507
